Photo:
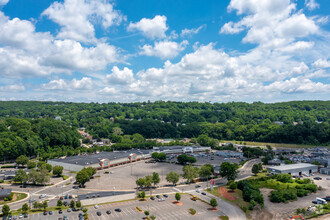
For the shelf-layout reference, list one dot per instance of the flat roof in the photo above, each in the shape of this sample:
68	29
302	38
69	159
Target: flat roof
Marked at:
89	159
103	194
293	166
5	192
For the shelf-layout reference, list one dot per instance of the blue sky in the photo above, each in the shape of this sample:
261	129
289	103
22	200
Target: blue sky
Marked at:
129	50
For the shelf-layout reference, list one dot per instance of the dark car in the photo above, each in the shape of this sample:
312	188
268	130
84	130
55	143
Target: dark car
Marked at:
60	218
60	211
118	210
165	195
65	203
317	178
9	217
80	215
326	198
99	213
74	209
70	196
152	198
45	212
158	196
65	217
108	212
61	198
204	193
197	186
50	212
26	215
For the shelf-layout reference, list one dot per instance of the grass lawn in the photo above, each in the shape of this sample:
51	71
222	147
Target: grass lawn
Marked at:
16	197
271	144
238	198
65	177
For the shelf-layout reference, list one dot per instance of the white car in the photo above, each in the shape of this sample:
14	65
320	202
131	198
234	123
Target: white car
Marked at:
96	206
328	178
197	190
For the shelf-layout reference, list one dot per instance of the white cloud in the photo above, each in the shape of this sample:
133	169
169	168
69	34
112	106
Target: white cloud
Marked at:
12	88
311	4
187	32
3	2
77	18
297	46
107	91
60	84
322	63
231	28
164	49
118	76
151	28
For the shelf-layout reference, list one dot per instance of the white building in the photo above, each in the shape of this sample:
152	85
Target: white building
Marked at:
293	169
228	153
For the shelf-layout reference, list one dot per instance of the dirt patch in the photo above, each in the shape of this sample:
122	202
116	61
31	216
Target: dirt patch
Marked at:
260	213
223	191
177	203
323	217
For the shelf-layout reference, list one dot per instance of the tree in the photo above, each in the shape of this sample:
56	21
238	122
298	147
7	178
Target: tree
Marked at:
177	196
25	208
255	169
142	195
57	170
154	155
90	171
203	140
5	210
140	182
59	203
146	213
22	160
148	181
233	186
190	173
31	164
21	176
182	159
161	156
206	171
192	160
117	131
72	204
229	170
82	177
155	178
152	217
137	138
44	205
78	204
213	202
172	177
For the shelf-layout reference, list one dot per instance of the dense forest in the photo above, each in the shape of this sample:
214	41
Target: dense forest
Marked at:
304	122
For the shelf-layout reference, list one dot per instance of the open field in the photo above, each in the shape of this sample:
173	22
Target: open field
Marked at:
275	145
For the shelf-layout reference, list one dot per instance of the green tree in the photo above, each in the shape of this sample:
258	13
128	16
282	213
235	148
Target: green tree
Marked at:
177	196
203	140
206	171
117	131
5	210
154	155
72	204
25	208
82	177
213	202
146	213
155	178
31	164
233	186
161	156
190	173
172	177
255	169
148	181
57	170
140	182
142	195
152	217
59	203
44	205
229	170
21	176
137	138
22	160
78	204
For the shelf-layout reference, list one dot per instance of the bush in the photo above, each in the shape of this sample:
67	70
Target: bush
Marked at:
192	211
282	195
301	192
310	187
140	210
252	204
284	178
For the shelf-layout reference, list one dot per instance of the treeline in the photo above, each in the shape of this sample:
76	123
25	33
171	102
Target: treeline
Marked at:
35	137
222	121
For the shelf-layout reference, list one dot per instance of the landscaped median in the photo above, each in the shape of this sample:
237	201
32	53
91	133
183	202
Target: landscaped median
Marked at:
14	197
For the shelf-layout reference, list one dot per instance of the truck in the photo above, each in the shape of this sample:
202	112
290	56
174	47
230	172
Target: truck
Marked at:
320	201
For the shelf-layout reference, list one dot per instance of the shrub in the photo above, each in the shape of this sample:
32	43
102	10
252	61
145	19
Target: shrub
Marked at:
192	211
140	210
310	187
252	204
301	192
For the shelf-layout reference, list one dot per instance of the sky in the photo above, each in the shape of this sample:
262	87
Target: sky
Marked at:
188	50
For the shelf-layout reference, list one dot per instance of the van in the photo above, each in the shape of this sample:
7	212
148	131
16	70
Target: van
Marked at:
320	200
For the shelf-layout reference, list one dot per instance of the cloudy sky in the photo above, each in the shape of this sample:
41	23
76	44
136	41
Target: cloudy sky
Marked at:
189	50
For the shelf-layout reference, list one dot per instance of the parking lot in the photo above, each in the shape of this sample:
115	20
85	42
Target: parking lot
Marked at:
162	210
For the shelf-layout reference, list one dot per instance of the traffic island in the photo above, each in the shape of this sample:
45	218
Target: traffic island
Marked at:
177	203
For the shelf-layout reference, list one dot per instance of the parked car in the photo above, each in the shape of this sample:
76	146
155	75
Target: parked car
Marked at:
96	206
60	211
50	212
165	195
69	210
65	203
108	212
326	199
118	210
99	213
70	196
158	196
61	198
32	200
45	212
152	198
197	190
204	193
317	178
197	186
74	209
20	216
65	217
26	215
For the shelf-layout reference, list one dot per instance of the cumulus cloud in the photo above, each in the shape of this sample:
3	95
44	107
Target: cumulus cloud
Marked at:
151	28
322	63
77	18
60	84
311	4
3	2
12	88
118	76
187	32
164	49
